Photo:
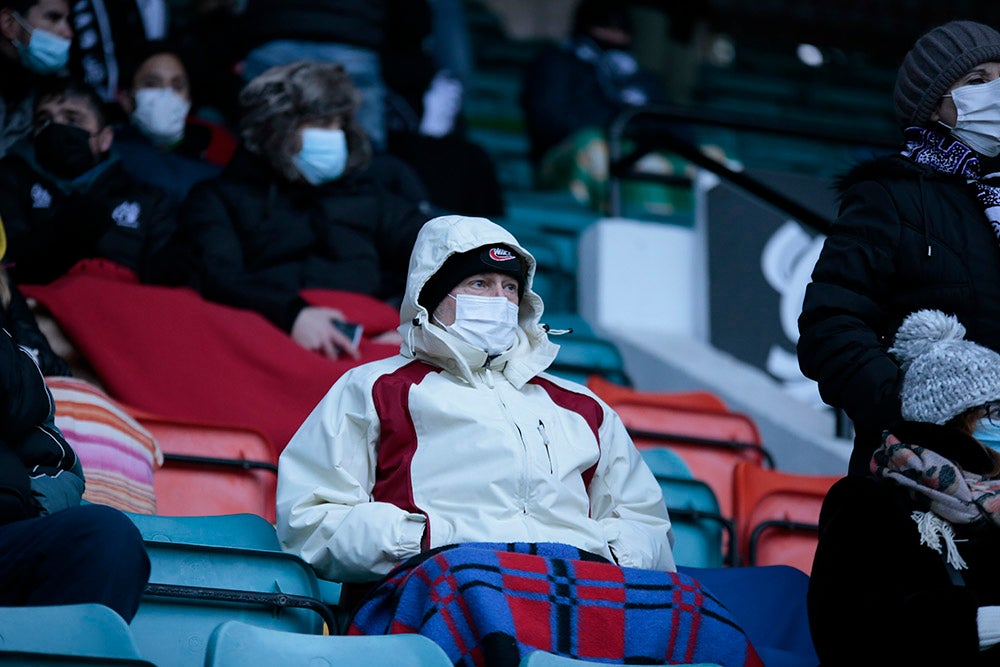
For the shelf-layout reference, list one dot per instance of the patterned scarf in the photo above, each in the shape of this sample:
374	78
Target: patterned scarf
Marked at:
951	494
949	155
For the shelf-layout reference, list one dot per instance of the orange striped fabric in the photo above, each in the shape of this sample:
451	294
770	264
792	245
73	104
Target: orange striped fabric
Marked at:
117	453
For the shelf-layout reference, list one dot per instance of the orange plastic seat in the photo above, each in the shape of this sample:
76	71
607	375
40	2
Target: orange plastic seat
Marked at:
777	515
712	443
210	470
616	394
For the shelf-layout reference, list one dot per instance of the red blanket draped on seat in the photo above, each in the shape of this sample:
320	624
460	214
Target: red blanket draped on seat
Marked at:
169	351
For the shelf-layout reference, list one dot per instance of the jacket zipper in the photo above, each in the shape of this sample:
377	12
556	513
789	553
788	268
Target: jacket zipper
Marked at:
545	441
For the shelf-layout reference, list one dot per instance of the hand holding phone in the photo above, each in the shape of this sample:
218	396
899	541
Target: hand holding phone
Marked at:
351	330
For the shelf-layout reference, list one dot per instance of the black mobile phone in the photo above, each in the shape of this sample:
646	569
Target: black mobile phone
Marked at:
350	329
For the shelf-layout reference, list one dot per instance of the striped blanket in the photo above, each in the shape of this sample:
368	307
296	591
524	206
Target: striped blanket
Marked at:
492	604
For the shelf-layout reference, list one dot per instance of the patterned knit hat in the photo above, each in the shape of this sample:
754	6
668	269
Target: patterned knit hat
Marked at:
936	61
943	374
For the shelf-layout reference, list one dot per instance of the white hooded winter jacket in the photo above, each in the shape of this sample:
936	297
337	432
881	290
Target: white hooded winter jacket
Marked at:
434	446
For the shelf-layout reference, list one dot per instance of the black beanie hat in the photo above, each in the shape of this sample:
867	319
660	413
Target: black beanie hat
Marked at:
936	61
493	258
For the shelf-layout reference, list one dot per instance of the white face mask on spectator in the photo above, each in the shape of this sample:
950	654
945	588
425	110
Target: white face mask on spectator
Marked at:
488	323
978	123
160	114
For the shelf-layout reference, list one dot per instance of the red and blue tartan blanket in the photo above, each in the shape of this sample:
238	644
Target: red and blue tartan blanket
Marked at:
491	604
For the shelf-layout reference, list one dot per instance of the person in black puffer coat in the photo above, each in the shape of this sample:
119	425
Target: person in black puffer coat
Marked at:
65	196
915	230
298	207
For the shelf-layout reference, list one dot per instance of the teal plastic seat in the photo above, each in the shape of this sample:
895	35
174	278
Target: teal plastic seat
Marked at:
546	659
236	644
699	527
246	531
582	356
77	634
666	463
207	570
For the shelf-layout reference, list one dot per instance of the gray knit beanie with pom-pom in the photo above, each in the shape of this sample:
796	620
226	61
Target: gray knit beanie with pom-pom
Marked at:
943	374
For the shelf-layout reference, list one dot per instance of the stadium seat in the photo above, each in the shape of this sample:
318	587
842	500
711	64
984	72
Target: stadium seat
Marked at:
195	587
546	659
702	536
240	531
777	515
243	531
77	634
617	394
582	356
712	443
211	469
235	644
665	462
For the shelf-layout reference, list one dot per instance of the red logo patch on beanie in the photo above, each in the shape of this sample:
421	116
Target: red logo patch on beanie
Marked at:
501	255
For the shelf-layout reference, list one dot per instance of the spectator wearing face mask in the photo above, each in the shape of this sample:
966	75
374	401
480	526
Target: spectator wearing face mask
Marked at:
65	196
917	230
164	144
298	207
34	41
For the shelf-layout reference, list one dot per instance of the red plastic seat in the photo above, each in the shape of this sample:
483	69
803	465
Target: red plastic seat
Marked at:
616	394
777	515
210	470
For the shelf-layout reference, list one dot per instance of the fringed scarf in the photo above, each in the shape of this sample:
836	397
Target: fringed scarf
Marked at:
952	495
949	155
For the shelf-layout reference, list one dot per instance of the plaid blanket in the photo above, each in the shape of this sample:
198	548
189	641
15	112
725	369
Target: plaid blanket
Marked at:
491	604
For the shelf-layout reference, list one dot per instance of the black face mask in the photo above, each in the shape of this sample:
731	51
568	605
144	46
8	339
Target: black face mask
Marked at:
64	150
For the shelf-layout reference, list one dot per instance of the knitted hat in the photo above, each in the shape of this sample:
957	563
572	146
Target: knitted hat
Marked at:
936	61
943	374
494	258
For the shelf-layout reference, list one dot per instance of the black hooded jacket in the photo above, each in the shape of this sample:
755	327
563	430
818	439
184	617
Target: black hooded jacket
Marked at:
261	239
907	238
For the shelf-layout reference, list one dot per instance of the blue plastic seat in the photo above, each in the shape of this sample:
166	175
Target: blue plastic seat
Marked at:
665	462
702	536
246	531
581	356
77	634
546	659
236	644
211	569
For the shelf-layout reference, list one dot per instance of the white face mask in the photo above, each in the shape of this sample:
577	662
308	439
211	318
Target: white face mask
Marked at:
978	123
486	322
160	114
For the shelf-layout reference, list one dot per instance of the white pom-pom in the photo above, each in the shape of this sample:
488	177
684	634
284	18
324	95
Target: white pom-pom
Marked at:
921	330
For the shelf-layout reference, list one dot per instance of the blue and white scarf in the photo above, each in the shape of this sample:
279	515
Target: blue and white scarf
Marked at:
949	155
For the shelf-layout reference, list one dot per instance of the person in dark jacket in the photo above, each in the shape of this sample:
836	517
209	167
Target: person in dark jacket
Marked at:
347	32
52	549
163	144
65	196
914	545
298	208
919	229
35	37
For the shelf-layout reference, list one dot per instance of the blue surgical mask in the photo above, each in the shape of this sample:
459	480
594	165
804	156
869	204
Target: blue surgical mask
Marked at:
45	53
988	434
323	155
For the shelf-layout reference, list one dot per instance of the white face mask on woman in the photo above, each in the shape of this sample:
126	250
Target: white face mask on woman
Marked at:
978	123
488	323
160	114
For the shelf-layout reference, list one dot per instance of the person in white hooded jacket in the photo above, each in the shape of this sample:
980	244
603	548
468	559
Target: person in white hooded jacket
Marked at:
462	437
